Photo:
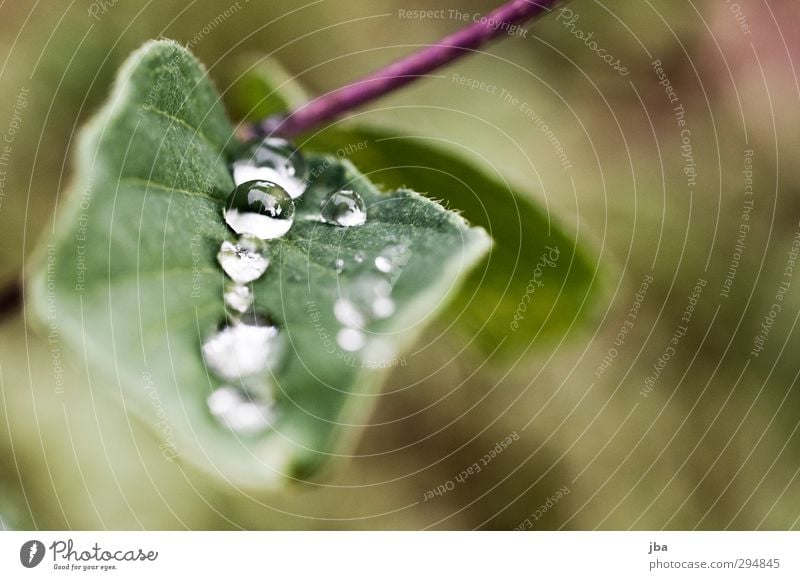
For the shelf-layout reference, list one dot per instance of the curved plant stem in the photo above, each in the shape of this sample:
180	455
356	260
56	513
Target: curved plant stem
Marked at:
404	71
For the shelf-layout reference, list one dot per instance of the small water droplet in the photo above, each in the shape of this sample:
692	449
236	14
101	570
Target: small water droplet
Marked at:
273	159
339	265
383	264
260	208
368	286
239	411
237	296
391	257
243	261
359	257
350	339
348	313
383	307
368	297
343	208
240	348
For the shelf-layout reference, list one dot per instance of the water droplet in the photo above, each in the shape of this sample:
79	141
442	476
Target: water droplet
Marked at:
383	264
339	265
273	159
243	261
368	297
260	208
244	347
343	208
373	293
238	297
391	257
383	307
348	314
359	257
239	411
351	339
369	286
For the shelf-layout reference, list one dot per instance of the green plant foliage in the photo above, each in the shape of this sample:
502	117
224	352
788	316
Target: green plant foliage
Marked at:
131	282
539	280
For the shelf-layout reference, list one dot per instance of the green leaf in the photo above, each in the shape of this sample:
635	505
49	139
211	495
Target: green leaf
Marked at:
130	279
537	282
516	297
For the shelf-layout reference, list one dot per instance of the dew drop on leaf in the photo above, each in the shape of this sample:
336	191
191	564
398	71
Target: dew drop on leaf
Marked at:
343	208
367	288
273	159
238	297
243	261
350	339
383	264
391	257
260	208
238	411
383	307
367	298
348	314
240	348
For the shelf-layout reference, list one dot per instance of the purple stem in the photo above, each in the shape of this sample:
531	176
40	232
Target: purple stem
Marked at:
404	71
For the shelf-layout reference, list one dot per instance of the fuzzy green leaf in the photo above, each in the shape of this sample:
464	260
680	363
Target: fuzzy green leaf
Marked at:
130	279
519	296
538	281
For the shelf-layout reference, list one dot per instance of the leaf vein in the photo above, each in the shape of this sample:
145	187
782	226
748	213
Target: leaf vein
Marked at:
183	123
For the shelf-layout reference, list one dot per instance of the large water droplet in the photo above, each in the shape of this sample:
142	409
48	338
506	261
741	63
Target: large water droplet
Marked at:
339	265
273	159
243	261
343	208
239	411
244	347
237	296
260	208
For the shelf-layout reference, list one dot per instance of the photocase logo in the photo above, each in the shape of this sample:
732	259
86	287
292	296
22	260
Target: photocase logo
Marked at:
31	553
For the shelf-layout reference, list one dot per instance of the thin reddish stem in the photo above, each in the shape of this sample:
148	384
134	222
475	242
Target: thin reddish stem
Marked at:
406	70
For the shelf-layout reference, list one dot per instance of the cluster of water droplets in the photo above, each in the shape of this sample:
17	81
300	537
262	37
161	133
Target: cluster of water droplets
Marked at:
247	346
369	297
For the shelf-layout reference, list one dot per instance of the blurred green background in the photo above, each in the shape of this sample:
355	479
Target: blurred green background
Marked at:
714	445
